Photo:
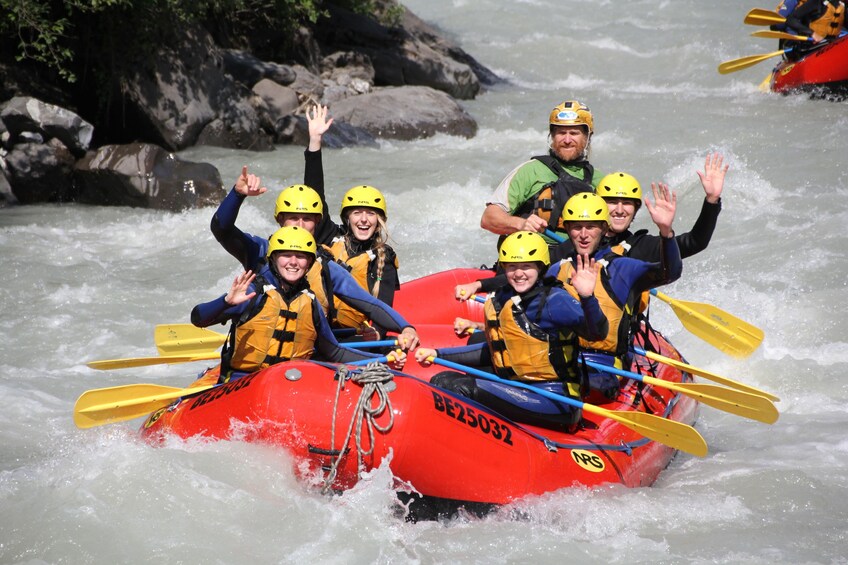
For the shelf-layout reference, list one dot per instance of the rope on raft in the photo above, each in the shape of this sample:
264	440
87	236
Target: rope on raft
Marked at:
374	379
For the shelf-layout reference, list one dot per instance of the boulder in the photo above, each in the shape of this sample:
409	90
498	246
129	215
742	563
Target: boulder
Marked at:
248	69
294	130
147	176
279	100
186	91
40	172
6	194
23	114
409	112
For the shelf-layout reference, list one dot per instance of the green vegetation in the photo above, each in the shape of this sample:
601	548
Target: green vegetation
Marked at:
81	37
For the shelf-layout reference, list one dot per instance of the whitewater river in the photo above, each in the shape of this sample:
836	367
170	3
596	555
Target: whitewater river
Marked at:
82	283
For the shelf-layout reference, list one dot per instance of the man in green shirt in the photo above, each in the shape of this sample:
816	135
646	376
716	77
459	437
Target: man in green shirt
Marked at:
531	196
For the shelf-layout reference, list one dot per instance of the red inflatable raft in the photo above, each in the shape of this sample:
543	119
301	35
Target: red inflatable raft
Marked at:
438	445
823	72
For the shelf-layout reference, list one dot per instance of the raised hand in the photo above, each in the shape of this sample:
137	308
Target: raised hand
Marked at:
249	184
585	276
664	207
712	179
238	291
316	117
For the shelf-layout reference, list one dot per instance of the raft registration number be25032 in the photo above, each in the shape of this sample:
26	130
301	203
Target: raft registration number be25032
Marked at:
470	417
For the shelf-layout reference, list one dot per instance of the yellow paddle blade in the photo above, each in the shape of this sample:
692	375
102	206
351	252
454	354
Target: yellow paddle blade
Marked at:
723	331
765	86
106	364
745	62
745	404
117	404
761	17
668	432
706	374
186	339
769	34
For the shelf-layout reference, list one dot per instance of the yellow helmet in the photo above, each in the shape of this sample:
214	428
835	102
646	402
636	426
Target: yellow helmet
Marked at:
620	185
572	113
586	207
363	196
299	199
524	247
291	238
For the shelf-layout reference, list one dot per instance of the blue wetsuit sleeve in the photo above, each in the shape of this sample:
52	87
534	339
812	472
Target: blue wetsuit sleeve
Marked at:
246	248
327	347
563	311
215	311
491	284
351	293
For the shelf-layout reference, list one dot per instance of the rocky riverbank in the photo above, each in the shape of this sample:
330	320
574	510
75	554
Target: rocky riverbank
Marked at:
400	82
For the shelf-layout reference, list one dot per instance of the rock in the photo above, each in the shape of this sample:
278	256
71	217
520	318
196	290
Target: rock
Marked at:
399	57
409	112
307	84
294	130
185	93
39	172
144	175
6	195
249	70
354	65
23	114
279	100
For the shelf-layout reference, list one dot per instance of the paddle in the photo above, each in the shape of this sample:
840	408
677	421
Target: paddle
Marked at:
720	329
674	434
185	339
107	364
749	61
367	344
723	331
729	400
117	404
761	17
768	34
127	402
706	374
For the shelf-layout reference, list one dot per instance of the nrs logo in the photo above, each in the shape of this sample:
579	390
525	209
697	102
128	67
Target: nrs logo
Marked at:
588	460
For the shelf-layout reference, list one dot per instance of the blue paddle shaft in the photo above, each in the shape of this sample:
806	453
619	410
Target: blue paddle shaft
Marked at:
517	384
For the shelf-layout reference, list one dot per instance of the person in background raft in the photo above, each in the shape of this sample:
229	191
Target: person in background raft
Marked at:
302	206
531	196
623	195
532	326
274	315
819	20
621	280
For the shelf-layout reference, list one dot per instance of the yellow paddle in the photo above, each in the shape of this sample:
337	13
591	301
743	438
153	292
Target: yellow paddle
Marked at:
669	432
107	364
745	62
705	374
186	339
723	331
761	17
729	400
768	34
119	403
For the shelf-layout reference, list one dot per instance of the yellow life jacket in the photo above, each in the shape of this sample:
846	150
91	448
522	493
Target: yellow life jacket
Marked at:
620	316
358	265
830	24
315	278
522	351
273	331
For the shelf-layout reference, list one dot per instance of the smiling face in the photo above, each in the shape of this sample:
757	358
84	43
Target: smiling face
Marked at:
292	265
569	142
586	236
521	276
363	222
622	211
